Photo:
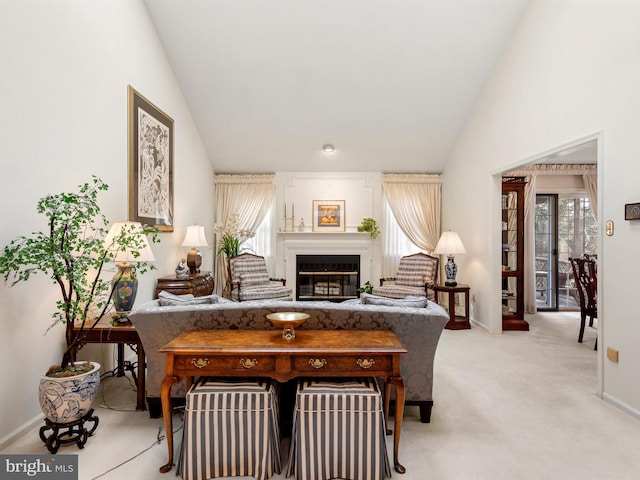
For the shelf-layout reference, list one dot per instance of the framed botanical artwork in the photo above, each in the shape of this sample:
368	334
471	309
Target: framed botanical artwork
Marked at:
150	164
328	216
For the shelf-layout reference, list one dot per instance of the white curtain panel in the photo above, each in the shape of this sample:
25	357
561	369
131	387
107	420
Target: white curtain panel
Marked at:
591	186
415	201
251	197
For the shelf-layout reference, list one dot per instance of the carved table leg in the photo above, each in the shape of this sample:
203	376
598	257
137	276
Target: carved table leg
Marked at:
399	413
141	378
387	400
165	397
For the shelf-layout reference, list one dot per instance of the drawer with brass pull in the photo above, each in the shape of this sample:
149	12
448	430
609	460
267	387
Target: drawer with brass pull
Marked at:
354	365
233	364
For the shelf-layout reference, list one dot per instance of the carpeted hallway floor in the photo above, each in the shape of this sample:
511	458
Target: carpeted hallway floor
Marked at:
521	405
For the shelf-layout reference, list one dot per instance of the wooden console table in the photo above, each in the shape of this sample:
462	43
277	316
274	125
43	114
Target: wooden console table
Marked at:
121	334
264	353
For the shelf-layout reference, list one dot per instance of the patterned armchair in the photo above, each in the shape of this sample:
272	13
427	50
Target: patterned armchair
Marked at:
250	280
417	274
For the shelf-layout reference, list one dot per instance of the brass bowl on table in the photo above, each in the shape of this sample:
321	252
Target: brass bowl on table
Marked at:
288	321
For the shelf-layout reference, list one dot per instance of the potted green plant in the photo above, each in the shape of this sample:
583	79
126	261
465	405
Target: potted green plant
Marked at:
230	240
369	225
367	288
72	252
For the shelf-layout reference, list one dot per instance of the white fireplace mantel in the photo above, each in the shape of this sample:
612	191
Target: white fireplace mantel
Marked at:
309	243
307	234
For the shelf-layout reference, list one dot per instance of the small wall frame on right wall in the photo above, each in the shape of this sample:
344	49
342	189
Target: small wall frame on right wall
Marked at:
632	211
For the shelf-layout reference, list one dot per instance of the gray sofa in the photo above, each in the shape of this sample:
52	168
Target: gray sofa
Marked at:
419	329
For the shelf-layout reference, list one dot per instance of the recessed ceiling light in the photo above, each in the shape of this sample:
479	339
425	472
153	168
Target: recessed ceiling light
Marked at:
328	148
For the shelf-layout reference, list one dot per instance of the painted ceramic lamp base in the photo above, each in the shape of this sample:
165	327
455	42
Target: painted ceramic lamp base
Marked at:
450	270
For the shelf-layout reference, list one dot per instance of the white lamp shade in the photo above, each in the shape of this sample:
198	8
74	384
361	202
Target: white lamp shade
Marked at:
195	237
126	255
449	244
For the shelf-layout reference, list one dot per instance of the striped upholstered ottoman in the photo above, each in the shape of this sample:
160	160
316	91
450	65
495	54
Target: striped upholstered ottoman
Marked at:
231	429
338	431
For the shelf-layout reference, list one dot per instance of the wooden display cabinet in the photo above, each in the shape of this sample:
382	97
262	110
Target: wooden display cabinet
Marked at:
513	254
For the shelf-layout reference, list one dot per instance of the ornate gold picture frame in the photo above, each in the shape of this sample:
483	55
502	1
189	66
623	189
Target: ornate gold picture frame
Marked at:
150	163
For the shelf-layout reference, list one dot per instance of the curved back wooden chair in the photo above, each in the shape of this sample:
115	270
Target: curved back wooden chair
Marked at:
586	278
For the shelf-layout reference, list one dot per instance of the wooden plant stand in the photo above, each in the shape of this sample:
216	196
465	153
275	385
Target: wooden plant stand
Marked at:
76	432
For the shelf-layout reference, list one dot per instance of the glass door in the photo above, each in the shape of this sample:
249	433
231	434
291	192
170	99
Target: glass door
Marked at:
564	228
577	235
546	228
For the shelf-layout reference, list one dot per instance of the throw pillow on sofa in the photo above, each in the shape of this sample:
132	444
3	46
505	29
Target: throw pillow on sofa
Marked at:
169	299
409	301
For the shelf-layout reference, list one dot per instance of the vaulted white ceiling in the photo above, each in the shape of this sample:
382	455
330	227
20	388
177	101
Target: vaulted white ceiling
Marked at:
390	83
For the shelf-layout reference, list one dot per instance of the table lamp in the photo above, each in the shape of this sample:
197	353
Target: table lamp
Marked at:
125	279
449	245
194	238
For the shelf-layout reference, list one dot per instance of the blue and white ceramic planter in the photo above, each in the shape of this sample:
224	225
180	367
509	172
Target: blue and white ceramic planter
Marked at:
65	400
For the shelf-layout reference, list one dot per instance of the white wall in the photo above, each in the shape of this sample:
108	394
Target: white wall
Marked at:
65	70
571	71
361	191
362	194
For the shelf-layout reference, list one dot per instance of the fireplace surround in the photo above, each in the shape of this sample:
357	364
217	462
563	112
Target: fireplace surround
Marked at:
329	245
327	277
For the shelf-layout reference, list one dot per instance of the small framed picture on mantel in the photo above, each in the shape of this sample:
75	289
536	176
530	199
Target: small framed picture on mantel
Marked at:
328	215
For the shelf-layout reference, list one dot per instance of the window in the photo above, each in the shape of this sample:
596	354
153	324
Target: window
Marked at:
577	227
395	243
262	242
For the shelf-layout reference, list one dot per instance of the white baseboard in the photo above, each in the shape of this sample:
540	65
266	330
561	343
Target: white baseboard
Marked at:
477	324
20	431
622	406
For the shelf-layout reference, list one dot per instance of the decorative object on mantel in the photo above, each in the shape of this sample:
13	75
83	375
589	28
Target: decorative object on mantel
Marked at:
329	216
230	240
194	238
71	251
301	226
292	218
369	225
450	245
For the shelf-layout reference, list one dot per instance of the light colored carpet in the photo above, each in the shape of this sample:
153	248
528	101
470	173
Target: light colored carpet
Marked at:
512	406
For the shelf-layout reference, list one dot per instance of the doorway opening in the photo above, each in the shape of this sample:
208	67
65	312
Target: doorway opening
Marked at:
558	222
